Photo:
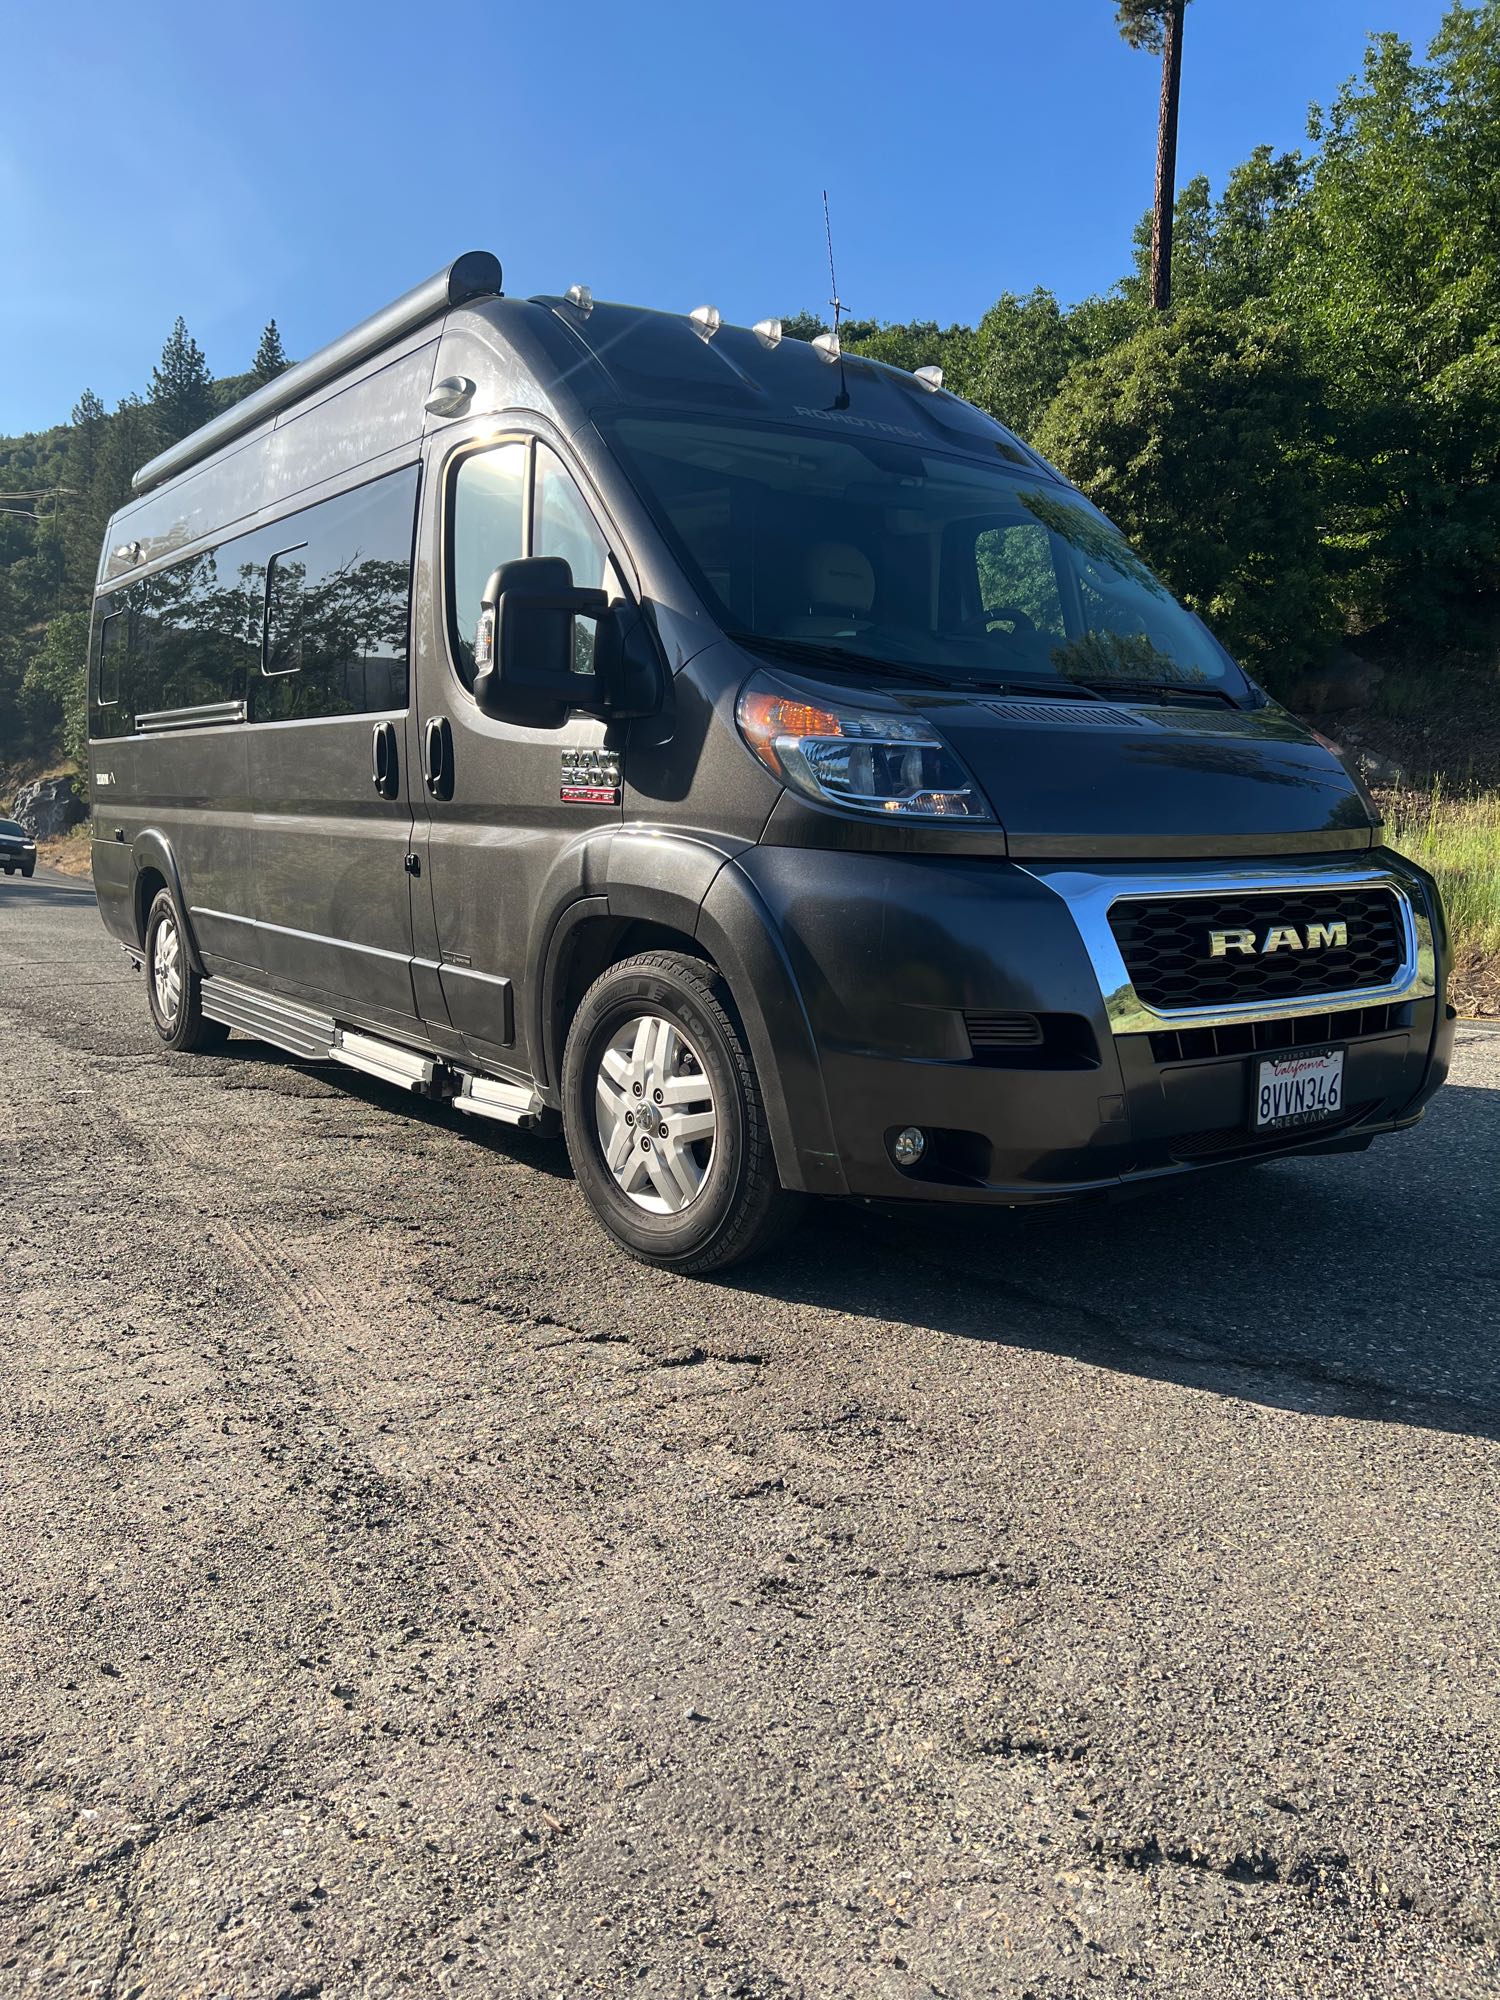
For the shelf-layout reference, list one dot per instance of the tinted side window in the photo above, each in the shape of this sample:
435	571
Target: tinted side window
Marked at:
194	627
114	638
338	602
486	527
565	527
1016	571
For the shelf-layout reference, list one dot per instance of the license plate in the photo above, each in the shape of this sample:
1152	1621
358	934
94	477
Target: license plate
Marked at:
1304	1089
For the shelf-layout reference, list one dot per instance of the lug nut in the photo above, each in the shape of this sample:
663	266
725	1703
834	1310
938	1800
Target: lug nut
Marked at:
645	1145
638	1088
657	1095
629	1117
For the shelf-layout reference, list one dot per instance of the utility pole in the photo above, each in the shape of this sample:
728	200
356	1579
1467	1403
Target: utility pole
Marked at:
1166	155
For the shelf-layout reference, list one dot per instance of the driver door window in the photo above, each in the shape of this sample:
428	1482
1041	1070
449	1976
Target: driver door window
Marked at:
565	527
1015	570
487	528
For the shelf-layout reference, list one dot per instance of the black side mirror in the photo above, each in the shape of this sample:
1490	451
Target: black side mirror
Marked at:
534	651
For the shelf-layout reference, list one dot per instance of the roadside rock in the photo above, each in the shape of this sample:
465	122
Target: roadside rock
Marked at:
48	807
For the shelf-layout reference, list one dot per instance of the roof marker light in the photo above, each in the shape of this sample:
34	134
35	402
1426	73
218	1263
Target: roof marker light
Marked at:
826	347
931	378
706	321
768	332
580	296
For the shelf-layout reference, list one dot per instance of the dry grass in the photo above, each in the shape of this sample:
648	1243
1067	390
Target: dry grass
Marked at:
69	853
1458	842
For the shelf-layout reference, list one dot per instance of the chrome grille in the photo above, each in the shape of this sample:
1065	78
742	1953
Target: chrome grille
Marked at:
1166	946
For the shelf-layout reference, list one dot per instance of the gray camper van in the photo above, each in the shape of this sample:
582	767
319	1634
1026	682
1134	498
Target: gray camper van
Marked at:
749	755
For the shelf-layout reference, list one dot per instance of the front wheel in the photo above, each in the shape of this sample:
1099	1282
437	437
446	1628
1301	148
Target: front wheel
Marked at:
173	990
664	1119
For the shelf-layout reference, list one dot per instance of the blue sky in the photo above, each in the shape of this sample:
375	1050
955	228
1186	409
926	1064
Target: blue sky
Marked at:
311	161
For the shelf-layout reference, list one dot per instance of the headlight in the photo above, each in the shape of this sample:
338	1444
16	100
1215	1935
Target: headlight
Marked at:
862	759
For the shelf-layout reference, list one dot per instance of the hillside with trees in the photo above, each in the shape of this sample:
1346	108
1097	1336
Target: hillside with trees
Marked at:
1290	402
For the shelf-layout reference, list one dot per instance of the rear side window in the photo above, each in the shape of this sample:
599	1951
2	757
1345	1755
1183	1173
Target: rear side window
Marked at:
113	638
338	605
194	630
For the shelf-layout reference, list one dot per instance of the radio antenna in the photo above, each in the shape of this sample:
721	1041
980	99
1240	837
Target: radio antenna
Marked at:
836	302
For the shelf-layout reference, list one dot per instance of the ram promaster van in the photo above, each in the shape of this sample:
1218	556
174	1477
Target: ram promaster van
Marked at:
752	757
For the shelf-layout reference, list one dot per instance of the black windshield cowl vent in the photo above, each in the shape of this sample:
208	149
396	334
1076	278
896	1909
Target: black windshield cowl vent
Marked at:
1087	713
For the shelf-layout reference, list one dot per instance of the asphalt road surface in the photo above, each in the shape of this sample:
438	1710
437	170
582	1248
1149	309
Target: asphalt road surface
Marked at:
403	1592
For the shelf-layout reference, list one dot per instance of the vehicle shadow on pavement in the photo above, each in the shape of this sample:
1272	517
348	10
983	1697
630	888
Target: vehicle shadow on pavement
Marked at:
1364	1286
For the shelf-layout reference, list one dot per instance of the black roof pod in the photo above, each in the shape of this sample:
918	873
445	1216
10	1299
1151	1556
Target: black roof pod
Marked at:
474	275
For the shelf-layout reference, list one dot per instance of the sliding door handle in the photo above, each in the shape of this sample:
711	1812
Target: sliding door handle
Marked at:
438	745
387	762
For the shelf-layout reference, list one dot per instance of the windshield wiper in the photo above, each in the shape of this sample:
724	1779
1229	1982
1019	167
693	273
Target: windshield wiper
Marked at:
811	652
1181	690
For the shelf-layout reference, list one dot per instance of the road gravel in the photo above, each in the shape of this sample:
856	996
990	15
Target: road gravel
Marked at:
404	1593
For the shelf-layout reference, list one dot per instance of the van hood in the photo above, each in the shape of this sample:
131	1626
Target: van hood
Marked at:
1132	777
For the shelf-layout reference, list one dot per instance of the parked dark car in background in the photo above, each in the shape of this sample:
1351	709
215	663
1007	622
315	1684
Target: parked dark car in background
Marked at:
17	848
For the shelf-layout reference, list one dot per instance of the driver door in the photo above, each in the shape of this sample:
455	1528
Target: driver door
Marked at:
499	815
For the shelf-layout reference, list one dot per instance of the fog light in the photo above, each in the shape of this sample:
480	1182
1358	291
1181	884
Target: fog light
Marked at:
908	1146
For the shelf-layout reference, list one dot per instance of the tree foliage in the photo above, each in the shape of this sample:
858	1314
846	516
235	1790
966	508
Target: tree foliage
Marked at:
1307	447
1195	435
270	355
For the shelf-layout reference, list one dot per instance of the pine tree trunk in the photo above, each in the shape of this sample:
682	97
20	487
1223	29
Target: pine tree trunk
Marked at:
1166	158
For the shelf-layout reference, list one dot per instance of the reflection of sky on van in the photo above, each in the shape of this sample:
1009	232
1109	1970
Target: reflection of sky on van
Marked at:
909	556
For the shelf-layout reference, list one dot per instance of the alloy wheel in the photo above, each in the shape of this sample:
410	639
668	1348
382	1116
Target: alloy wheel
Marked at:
655	1115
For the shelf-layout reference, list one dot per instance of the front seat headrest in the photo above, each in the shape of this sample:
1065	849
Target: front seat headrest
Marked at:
839	578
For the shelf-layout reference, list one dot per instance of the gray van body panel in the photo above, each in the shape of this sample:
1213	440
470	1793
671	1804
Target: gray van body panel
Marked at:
852	949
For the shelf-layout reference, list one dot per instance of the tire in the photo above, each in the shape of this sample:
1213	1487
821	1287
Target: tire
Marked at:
706	1195
174	992
28	871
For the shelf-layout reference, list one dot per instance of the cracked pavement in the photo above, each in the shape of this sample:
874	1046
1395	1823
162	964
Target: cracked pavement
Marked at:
404	1593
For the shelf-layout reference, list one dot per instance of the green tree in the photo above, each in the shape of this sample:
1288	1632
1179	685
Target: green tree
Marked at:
182	390
1157	25
1194	436
270	356
1390	269
53	690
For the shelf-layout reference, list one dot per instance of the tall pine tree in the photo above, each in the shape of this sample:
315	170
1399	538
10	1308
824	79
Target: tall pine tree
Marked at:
270	356
182	390
82	522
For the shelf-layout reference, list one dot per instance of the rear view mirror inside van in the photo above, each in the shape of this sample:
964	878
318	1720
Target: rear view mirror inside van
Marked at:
536	645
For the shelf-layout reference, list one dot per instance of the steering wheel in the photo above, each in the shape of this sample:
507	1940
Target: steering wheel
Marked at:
1002	614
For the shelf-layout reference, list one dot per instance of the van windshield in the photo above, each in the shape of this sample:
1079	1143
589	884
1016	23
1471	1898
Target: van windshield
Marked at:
817	546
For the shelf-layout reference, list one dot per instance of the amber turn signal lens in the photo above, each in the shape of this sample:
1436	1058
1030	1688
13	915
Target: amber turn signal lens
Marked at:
763	717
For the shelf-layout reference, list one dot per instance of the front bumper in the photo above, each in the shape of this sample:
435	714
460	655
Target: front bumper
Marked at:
895	957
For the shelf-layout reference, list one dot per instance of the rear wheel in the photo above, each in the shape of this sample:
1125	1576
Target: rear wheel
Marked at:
173	990
664	1119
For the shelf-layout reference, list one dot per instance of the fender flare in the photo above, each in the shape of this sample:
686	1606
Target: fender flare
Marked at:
690	884
152	849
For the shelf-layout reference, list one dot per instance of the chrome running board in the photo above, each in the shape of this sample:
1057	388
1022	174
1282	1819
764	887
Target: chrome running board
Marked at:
286	1024
384	1060
316	1037
488	1097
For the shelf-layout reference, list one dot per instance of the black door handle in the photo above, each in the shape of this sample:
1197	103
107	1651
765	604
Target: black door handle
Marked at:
387	772
438	744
